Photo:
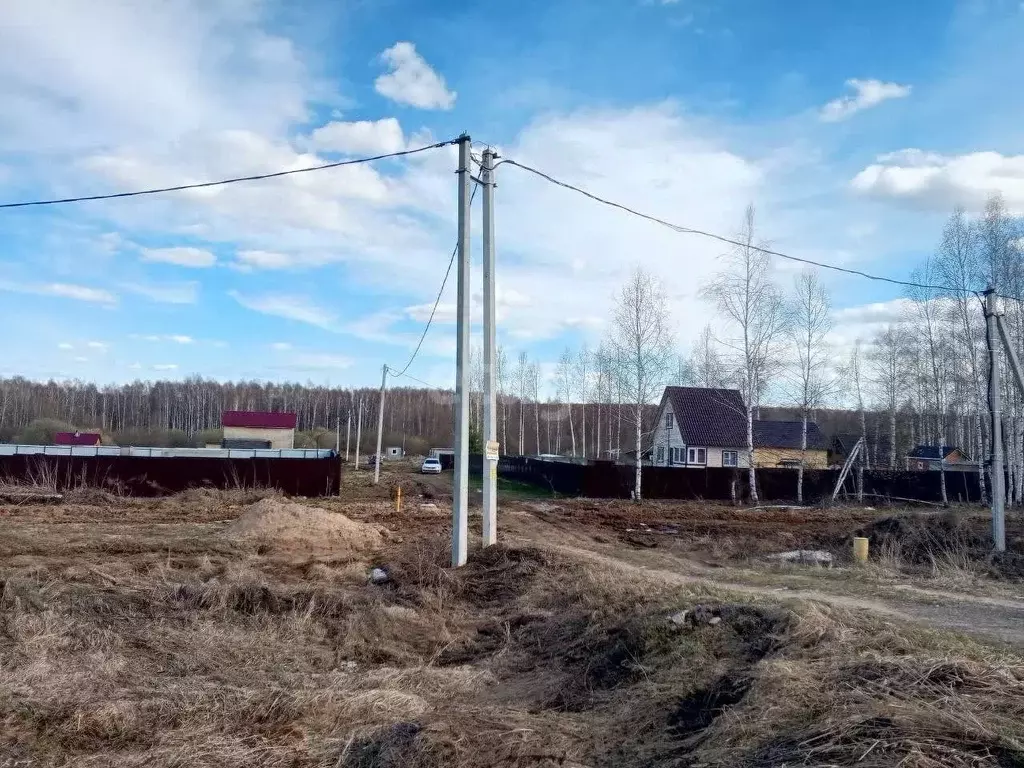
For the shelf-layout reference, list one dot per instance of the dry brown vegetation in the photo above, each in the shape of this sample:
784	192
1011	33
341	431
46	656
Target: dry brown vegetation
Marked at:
154	633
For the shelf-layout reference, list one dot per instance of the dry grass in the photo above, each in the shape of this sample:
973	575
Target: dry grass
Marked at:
126	641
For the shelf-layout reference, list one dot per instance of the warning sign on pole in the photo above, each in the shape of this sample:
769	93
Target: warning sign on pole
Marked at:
491	451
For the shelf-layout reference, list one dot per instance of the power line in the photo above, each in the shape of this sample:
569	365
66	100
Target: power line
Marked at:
437	301
729	241
413	378
236	180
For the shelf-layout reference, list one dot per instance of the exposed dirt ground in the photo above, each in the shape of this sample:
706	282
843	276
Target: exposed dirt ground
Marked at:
230	629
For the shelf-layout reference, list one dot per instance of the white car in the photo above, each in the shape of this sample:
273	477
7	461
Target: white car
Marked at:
431	467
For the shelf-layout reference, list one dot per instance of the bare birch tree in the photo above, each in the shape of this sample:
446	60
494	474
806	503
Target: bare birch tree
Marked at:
749	299
889	369
567	388
522	383
583	371
810	323
706	364
644	347
857	379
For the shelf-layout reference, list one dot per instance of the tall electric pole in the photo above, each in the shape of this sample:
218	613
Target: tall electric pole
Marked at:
460	481
993	311
490	436
380	424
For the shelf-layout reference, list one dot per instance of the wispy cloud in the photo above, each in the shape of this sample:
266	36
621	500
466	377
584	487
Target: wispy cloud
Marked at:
182	256
290	307
63	290
867	94
165	367
173	293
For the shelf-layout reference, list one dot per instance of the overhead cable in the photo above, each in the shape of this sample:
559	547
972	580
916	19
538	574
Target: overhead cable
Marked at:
437	301
730	241
235	180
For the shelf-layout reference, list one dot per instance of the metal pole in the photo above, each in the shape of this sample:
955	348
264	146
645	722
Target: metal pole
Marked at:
993	309
490	469
380	424
460	481
359	430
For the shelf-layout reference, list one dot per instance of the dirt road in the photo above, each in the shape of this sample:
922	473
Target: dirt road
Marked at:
992	619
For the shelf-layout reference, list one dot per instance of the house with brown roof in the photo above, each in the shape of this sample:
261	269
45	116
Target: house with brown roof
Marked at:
700	427
778	444
258	429
706	427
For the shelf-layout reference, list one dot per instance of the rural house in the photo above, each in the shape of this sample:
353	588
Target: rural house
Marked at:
934	458
707	427
258	429
777	444
76	438
700	427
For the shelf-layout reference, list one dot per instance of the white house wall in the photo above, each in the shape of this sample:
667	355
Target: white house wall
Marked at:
668	439
280	439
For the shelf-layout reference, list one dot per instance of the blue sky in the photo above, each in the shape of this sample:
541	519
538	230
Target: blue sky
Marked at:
853	127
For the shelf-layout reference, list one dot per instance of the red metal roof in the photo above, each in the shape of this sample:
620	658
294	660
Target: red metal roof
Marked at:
76	438
259	419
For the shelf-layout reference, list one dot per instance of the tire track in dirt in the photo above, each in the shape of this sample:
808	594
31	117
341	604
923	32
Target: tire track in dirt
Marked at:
990	619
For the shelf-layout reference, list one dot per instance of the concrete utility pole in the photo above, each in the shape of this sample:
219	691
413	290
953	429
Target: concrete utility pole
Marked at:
460	481
359	430
490	469
380	424
993	311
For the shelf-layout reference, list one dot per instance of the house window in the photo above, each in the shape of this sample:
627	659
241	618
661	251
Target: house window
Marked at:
668	421
696	456
729	458
661	454
677	455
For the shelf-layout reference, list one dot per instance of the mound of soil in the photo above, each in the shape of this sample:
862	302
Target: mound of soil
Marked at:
285	525
921	538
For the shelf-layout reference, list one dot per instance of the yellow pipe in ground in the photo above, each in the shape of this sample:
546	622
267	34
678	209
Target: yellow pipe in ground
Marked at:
860	549
398	500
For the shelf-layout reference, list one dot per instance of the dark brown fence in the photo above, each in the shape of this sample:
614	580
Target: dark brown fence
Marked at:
158	476
603	479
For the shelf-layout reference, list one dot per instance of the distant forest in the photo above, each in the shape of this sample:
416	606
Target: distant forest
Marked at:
183	413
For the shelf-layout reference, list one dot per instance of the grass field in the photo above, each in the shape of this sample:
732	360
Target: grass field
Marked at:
216	629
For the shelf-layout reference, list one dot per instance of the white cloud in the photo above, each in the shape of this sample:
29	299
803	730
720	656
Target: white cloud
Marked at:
201	64
249	260
183	256
135	367
179	339
410	80
62	290
281	346
867	94
81	359
97	345
296	308
64	345
363	137
940	182
171	293
315	361
165	367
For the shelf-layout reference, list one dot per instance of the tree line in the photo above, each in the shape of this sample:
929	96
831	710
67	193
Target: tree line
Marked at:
920	379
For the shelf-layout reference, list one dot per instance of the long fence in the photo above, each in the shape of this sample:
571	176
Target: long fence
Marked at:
605	479
161	475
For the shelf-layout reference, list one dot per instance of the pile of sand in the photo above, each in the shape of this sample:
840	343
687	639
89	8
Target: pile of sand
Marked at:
285	525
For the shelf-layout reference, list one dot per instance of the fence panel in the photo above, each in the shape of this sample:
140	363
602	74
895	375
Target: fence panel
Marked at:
158	476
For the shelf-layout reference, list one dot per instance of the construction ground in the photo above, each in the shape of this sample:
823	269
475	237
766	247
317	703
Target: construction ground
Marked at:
239	628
